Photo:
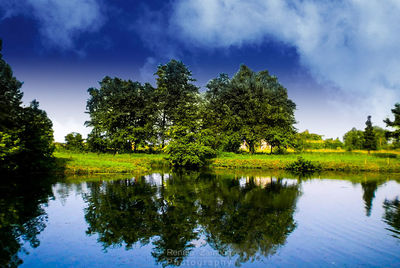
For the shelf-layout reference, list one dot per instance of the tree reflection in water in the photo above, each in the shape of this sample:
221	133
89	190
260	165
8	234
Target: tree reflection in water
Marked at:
392	215
22	216
243	219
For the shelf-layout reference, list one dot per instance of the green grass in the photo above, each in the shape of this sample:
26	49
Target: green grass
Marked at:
340	161
92	163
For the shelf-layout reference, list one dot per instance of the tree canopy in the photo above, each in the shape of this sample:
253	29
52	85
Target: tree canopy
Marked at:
26	134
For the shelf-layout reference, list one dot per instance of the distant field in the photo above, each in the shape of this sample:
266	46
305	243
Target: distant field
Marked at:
90	163
340	161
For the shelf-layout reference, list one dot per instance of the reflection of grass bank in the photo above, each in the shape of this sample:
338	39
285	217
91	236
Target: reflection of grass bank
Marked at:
340	161
91	163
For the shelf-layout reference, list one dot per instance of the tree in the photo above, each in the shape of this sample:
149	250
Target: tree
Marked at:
121	114
369	136
176	97
353	139
26	135
253	106
395	134
10	113
381	137
74	142
179	117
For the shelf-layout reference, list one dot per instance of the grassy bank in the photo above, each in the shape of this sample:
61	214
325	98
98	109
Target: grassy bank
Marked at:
91	163
333	161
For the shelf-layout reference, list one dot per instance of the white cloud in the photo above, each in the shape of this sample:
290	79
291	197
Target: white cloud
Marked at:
353	44
61	129
60	21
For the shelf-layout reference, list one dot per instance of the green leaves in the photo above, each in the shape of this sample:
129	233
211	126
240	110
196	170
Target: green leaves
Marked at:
26	134
253	105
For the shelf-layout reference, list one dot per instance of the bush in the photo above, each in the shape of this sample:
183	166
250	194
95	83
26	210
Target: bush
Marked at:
188	149
302	165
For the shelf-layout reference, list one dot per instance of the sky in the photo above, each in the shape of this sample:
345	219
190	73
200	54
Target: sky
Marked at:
339	59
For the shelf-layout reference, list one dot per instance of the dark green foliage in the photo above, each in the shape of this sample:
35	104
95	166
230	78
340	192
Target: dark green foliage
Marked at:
176	97
354	139
333	144
180	119
121	114
188	149
253	106
302	165
369	136
26	134
74	142
395	124
392	215
36	138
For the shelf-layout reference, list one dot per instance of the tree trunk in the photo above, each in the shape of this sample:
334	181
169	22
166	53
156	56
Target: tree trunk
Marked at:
163	130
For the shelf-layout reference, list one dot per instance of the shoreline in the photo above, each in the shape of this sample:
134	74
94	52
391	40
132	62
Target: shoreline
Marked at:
71	163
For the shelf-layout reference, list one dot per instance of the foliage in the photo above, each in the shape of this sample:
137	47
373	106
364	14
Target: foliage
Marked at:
302	165
176	97
121	114
254	105
369	136
74	142
395	124
187	149
381	137
26	133
354	139
307	141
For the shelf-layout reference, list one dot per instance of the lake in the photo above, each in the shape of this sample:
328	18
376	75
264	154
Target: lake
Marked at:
201	219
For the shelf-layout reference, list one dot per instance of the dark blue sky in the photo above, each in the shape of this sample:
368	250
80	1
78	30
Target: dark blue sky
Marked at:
333	57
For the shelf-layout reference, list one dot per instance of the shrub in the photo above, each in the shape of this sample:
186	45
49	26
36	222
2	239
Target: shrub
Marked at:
188	149
302	165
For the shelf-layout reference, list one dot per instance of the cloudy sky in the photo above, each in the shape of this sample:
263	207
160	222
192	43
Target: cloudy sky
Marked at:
339	60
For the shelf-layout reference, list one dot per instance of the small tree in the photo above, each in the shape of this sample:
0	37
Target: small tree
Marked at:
353	139
74	142
369	136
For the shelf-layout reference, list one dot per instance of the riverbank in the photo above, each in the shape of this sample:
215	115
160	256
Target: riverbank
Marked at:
328	161
92	163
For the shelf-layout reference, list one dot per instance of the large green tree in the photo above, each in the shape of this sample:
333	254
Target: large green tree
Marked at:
251	107
176	98
121	115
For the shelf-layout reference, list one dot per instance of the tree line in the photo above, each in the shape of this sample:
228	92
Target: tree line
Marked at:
250	108
247	108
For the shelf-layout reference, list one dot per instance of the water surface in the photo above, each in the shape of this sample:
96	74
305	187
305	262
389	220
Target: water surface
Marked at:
202	219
